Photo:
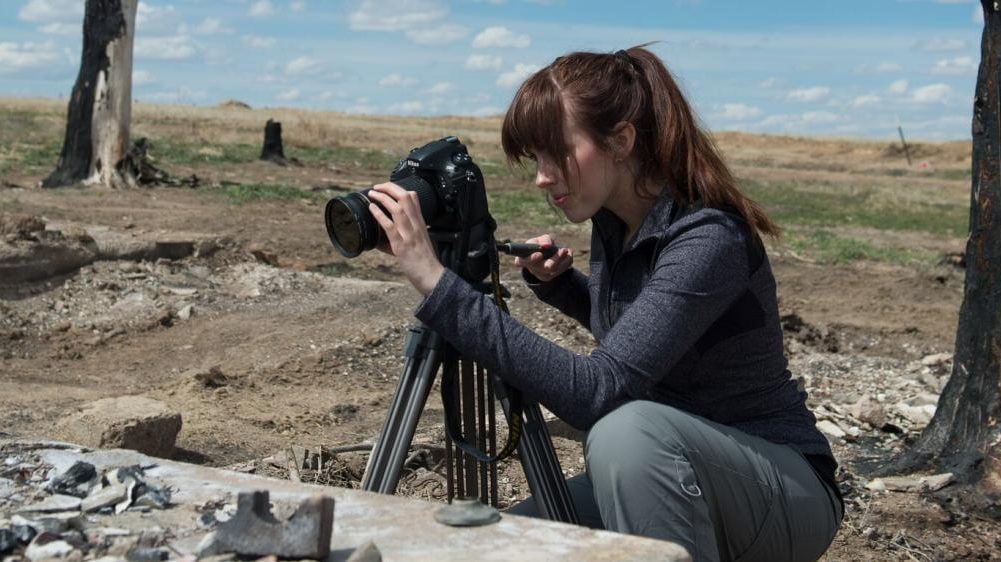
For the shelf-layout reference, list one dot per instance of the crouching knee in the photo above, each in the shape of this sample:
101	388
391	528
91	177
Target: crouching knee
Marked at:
630	438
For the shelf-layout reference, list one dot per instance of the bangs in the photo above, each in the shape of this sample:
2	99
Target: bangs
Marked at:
534	121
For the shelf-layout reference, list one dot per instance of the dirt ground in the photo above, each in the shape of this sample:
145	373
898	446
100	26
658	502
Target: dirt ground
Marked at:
309	344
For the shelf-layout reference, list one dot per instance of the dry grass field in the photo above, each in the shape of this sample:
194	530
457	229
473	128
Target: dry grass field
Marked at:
309	343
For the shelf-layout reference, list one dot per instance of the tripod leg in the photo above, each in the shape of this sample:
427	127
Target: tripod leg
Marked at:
468	409
543	471
382	473
540	463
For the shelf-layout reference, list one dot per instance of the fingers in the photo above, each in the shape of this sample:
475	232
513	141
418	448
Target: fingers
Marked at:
546	268
405	200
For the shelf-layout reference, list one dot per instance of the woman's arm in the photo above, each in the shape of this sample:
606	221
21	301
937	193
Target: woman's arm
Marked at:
567	293
697	276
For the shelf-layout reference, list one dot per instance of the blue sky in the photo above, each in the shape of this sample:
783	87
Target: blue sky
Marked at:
824	67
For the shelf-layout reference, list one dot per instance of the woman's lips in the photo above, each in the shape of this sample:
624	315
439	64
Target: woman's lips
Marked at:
560	199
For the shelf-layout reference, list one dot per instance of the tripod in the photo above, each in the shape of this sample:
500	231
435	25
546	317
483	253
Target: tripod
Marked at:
468	396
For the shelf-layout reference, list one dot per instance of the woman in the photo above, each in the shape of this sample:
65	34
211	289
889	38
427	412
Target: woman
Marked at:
696	431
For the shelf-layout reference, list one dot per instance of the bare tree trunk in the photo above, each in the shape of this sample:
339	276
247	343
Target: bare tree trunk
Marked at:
964	437
100	108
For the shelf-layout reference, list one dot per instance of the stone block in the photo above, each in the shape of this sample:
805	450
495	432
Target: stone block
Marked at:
126	422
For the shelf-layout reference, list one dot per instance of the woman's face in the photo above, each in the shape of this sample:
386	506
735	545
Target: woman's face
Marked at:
591	170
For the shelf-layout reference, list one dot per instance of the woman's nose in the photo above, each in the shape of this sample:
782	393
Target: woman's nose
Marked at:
544	176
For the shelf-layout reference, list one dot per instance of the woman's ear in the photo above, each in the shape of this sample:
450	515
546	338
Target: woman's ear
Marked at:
622	140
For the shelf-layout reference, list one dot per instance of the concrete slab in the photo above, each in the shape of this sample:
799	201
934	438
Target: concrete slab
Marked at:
401	528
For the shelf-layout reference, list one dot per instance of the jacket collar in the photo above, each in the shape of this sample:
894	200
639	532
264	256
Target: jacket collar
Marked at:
611	228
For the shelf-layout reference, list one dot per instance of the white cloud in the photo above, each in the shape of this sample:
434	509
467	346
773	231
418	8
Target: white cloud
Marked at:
212	26
517	75
392	80
301	65
739	112
18	56
157	20
814	93
261	9
437	35
955	66
868	99
932	93
289	95
500	37
898	86
484	62
259	42
62	28
879	68
297	6
768	82
406	107
819	117
177	47
142	78
51	10
940	44
441	88
395	15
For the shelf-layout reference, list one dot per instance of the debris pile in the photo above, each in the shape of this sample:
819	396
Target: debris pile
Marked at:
61	516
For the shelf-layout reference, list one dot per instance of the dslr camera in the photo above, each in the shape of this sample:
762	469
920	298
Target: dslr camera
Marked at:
453	201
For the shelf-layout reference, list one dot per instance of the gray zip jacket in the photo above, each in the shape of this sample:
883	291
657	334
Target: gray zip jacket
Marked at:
685	313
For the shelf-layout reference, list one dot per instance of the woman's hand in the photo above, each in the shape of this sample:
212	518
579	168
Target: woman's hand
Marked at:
407	234
546	269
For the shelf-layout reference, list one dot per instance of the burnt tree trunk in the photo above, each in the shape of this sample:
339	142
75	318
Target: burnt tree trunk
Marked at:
272	149
100	107
964	437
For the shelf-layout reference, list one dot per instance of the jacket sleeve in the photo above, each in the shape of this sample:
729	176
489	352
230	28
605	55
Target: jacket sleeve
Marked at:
696	278
567	293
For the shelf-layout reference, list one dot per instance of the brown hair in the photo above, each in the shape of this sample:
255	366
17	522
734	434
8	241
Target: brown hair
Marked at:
602	90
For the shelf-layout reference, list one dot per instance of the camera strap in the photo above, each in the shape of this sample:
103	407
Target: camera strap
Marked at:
513	398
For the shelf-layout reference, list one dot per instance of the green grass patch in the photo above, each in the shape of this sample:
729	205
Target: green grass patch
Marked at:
244	193
802	204
168	152
29	158
827	247
522	207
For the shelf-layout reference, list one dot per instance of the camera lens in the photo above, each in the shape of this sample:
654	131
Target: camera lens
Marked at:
353	229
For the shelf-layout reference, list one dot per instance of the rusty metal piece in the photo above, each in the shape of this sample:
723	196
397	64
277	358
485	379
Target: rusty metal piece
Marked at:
254	531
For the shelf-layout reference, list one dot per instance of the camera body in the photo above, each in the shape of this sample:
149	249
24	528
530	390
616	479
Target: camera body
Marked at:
453	201
454	179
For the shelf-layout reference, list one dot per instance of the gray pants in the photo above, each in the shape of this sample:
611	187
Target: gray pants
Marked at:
656	471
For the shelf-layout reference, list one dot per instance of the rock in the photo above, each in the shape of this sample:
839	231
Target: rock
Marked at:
186	312
911	483
47	546
76	481
831	429
919	416
923	399
367	552
53	503
936	359
869	411
105	497
126	422
42	257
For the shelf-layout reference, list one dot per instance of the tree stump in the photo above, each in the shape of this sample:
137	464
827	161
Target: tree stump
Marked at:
100	106
964	436
272	149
